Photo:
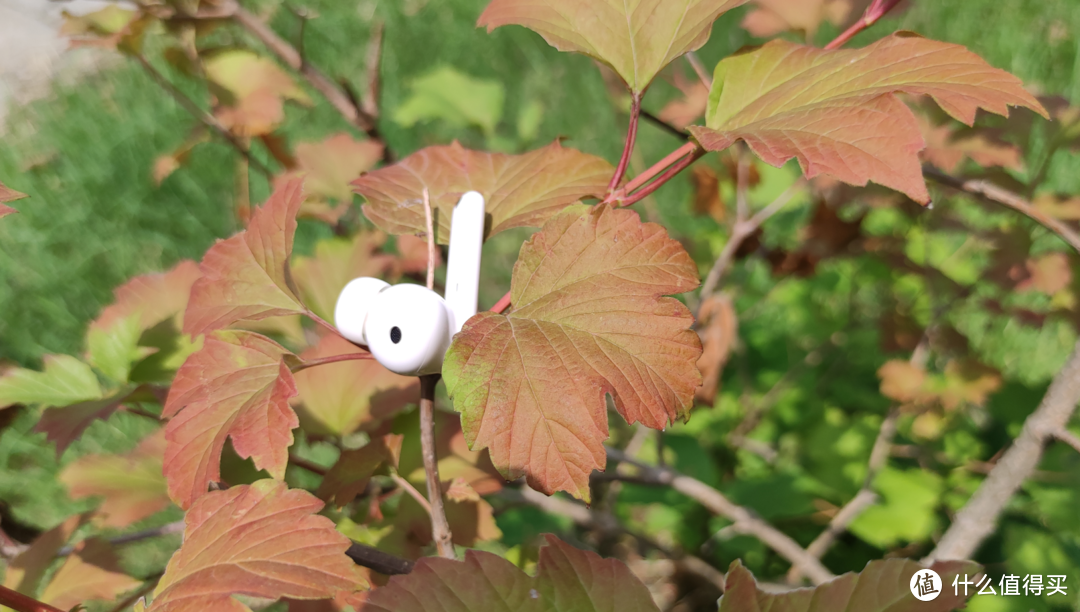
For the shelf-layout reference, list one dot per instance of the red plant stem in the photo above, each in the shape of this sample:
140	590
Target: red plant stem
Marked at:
668	174
873	13
659	166
628	148
22	603
440	527
502	304
332	359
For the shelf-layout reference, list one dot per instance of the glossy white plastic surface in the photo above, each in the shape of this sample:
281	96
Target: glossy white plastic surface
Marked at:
408	330
353	305
463	262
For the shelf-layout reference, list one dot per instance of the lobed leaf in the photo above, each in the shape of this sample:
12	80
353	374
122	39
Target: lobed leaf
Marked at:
520	190
247	276
588	320
354	468
457	98
65	424
91	572
837	112
238	385
132	485
65	380
254	89
566	579
341	398
8	194
260	540
321	277
331	164
25	571
883	586
637	39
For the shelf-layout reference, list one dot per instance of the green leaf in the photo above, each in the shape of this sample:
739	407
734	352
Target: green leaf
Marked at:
65	380
567	579
837	112
588	320
883	586
637	39
113	351
909	513
459	99
520	190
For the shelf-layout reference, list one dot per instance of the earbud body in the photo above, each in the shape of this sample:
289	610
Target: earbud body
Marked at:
408	327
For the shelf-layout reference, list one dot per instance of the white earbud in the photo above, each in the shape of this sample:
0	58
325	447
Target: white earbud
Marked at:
408	327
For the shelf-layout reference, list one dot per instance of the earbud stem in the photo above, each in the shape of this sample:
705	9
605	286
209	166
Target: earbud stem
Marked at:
463	267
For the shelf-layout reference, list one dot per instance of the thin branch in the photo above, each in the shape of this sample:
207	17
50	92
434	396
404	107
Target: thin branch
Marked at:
740	232
315	77
654	170
744	521
440	528
668	174
305	464
430	241
146	534
1069	438
628	147
978	518
998	195
206	118
327	326
664	125
873	13
607	523
372	60
502	304
22	603
699	68
406	486
311	363
373	558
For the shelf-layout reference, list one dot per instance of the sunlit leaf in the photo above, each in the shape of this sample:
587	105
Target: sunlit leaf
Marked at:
636	39
837	112
321	277
906	511
247	276
588	319
260	540
566	579
238	385
520	190
459	99
883	586
340	398
332	163
257	89
65	380
132	485
91	572
902	380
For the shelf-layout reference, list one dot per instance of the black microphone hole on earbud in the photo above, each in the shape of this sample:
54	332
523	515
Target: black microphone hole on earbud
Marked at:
395	334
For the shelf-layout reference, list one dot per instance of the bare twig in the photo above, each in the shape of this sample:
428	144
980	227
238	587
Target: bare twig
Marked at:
744	521
311	363
22	603
406	486
699	68
666	176
608	523
315	77
440	528
978	518
430	241
369	100
1069	438
740	232
640	180
145	534
502	304
305	464
664	125
206	118
998	195
628	147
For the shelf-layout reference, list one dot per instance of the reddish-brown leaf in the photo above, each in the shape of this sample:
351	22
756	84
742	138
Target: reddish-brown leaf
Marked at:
6	210
1049	274
520	190
260	540
566	579
238	385
153	297
636	39
24	572
946	150
331	164
350	475
340	398
255	90
707	199
91	572
902	380
883	586
681	112
967	382
247	276
337	261
1064	207
588	320
837	112
65	424
8	194
132	485
772	17
719	330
